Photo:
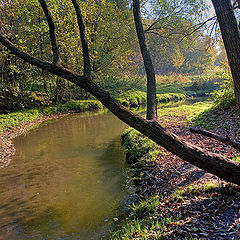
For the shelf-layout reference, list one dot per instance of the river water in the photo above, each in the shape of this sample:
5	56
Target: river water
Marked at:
66	180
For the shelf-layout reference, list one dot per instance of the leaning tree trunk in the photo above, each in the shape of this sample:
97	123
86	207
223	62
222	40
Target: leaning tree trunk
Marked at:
151	80
231	38
216	164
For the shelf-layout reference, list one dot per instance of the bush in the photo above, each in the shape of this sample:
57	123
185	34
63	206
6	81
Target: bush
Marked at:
13	99
73	105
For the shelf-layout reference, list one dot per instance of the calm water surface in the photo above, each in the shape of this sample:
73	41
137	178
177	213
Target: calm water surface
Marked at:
65	181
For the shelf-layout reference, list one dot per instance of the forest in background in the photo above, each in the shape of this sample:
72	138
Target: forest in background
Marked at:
185	58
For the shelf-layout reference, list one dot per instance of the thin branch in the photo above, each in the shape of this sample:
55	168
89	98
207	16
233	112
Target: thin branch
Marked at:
55	47
222	139
211	162
197	28
158	20
86	58
213	28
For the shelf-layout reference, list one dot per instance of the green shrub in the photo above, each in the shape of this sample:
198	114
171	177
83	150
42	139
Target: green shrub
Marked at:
136	145
8	121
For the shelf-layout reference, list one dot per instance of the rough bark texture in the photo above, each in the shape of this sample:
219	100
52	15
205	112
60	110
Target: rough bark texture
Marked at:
86	58
213	163
222	139
151	80
231	38
55	47
216	164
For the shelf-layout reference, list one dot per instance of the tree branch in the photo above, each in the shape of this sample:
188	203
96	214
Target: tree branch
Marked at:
86	58
50	67
222	139
216	164
55	47
197	27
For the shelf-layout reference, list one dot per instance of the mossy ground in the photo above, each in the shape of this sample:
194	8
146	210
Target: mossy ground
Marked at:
176	199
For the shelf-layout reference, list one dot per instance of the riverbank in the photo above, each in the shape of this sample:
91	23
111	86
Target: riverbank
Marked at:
177	199
15	124
18	123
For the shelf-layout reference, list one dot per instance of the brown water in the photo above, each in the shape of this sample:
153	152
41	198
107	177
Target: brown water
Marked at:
65	181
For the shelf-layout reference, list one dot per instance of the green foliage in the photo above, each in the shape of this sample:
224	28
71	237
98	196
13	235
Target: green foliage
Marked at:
225	97
8	121
75	106
195	85
19	118
137	98
194	190
136	145
116	85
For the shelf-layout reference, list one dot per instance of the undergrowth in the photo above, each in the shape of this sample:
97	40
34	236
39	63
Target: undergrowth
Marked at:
11	120
137	98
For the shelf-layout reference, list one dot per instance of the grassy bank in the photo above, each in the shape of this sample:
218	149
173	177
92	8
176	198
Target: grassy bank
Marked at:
138	98
167	208
9	121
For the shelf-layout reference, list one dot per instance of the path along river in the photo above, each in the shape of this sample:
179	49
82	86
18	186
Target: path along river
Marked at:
65	181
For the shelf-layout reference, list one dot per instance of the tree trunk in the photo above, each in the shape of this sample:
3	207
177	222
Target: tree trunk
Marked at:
151	80
216	164
231	38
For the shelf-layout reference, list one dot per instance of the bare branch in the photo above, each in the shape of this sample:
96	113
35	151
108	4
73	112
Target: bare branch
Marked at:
198	27
160	19
86	58
55	47
222	139
213	163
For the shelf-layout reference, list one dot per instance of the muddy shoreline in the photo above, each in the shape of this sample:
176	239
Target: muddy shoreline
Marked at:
7	149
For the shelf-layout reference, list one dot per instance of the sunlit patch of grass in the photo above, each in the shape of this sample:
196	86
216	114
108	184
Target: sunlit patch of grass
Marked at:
237	158
190	110
146	207
144	229
8	121
195	189
137	145
137	98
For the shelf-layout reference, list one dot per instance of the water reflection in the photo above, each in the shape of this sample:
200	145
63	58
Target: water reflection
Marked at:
65	180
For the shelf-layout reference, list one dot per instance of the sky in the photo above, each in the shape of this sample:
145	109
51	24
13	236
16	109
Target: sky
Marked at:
209	2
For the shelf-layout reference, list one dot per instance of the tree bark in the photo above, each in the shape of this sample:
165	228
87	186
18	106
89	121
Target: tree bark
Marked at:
213	163
151	80
231	38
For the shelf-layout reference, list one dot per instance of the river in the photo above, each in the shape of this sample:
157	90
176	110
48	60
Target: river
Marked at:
66	180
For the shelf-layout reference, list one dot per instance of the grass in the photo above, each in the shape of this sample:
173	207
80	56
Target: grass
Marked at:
137	145
192	110
194	190
144	221
144	229
137	98
9	121
73	105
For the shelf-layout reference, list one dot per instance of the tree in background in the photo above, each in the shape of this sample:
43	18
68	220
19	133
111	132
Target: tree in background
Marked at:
108	22
148	65
231	38
213	163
